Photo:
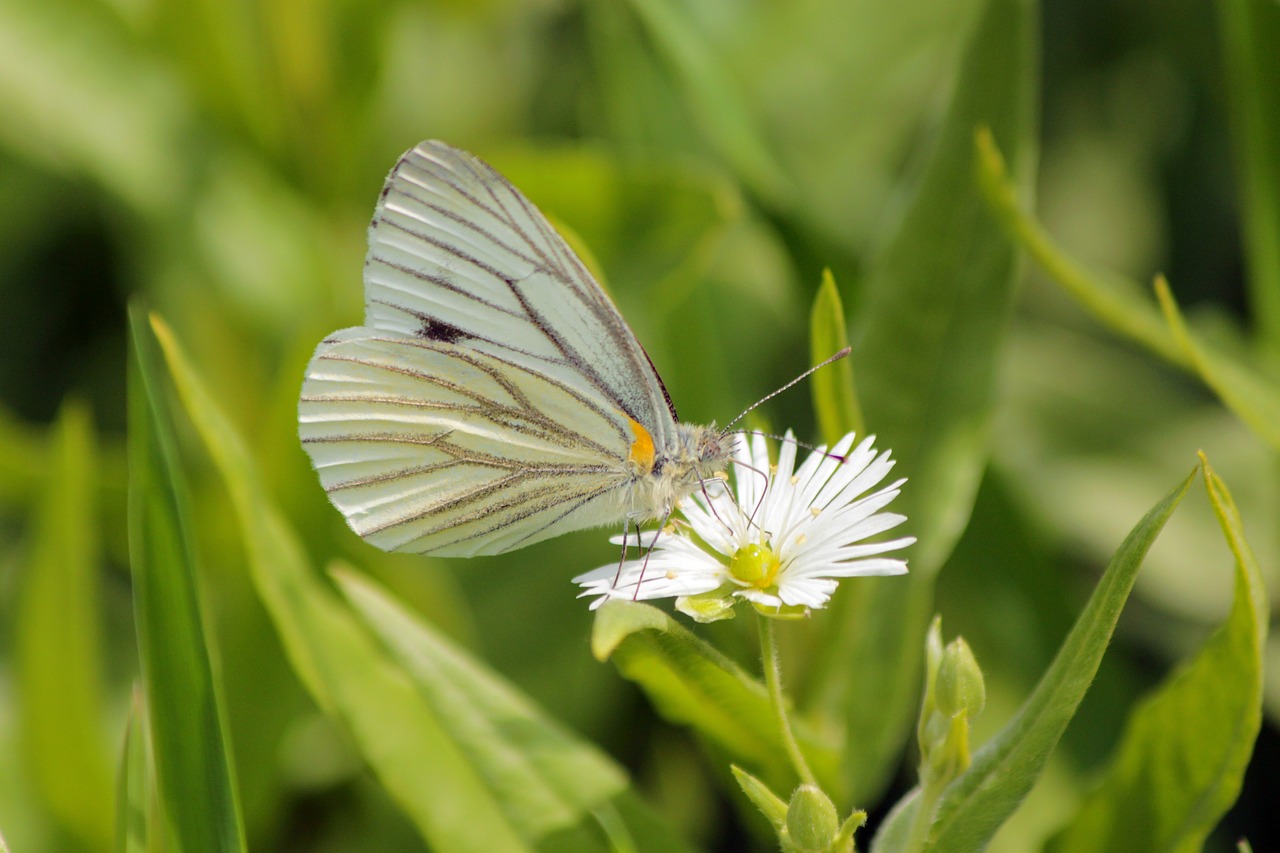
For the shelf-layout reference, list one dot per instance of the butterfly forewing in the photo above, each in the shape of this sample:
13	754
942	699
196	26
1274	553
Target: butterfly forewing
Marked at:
457	254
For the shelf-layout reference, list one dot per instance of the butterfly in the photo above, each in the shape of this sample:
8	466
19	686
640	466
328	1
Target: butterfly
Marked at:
494	396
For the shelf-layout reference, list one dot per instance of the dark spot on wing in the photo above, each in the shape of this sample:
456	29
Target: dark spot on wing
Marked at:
438	330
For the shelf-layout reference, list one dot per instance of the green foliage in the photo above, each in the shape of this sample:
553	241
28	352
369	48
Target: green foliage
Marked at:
1006	767
692	684
473	764
835	397
178	670
1183	754
935	303
59	644
543	777
1254	398
193	767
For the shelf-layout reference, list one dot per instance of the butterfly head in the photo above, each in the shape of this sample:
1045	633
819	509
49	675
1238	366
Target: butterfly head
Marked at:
702	453
714	450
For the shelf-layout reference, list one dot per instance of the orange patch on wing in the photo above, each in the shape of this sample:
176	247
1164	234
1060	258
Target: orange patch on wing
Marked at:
642	452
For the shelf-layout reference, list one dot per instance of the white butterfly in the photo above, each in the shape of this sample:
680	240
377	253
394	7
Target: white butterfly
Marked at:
494	397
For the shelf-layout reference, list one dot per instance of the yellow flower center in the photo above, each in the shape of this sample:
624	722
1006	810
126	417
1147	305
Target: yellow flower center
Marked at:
755	565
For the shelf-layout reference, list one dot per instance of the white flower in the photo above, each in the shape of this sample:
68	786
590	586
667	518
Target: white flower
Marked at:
781	542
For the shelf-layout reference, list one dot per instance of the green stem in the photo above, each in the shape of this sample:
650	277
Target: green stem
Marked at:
773	680
922	822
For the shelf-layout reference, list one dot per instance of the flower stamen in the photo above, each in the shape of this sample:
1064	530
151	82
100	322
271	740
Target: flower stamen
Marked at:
755	565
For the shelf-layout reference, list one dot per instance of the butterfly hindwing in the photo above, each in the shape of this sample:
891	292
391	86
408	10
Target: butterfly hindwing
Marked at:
431	447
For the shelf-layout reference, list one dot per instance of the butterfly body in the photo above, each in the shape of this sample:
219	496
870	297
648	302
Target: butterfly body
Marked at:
494	396
698	454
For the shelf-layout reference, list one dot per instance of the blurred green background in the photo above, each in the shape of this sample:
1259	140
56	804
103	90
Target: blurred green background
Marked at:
221	159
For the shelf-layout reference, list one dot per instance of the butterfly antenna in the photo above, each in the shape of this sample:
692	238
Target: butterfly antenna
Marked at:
793	440
803	376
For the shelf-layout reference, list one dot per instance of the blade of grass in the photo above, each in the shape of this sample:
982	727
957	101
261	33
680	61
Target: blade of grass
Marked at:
137	820
193	765
58	638
1253	400
835	397
421	767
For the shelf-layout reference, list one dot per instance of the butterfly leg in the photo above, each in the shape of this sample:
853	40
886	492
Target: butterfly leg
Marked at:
639	538
622	558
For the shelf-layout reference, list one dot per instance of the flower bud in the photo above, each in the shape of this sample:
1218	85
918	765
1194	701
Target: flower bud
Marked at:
812	820
954	694
959	686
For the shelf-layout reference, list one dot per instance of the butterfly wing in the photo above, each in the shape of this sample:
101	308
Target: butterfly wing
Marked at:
486	403
456	252
431	447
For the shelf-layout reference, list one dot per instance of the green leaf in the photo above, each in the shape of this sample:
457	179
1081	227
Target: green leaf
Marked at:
188	733
715	102
1250	33
59	642
893	835
938	296
421	756
1003	771
1114	301
693	684
835	397
545	777
1118	304
931	327
1182	758
770	804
